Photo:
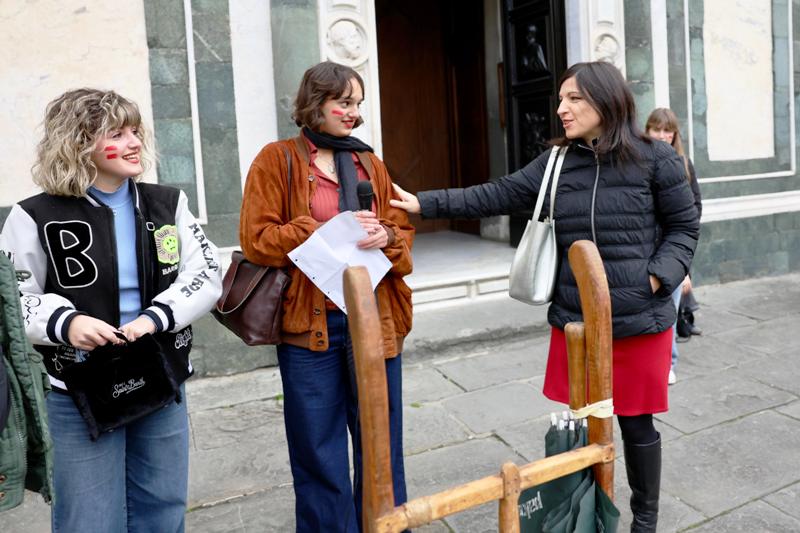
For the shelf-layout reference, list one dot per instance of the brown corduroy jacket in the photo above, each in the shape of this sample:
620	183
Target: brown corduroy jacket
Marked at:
269	228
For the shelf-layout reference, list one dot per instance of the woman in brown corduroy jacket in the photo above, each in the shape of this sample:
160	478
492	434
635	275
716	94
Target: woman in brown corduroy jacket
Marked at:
279	212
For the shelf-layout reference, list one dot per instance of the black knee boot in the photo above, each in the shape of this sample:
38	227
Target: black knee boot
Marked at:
643	465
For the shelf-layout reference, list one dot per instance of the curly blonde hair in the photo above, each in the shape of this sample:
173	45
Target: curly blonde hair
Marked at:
73	123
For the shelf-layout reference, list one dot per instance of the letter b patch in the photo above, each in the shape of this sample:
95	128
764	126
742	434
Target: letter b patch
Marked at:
68	243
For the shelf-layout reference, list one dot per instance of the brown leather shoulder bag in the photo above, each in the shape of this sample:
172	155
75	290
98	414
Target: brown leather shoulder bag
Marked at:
251	305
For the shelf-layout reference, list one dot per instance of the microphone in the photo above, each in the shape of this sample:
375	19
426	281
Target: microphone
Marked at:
364	192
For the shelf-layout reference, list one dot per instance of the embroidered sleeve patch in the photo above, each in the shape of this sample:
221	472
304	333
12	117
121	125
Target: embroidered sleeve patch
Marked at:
167	247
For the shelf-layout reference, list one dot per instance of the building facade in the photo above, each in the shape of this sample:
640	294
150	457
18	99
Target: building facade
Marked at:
457	92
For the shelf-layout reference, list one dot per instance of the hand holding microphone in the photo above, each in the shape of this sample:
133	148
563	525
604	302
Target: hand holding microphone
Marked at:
376	233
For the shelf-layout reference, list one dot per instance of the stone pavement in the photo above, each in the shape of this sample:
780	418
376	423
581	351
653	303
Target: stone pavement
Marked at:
731	457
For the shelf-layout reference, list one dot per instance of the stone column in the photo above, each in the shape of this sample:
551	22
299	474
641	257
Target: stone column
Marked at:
347	35
596	31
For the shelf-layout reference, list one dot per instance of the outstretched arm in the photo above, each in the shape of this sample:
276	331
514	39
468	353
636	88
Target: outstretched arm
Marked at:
407	202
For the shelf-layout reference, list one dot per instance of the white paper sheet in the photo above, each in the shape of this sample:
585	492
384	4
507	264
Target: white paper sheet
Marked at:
331	249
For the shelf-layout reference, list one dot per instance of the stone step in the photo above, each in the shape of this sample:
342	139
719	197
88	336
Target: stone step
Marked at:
453	268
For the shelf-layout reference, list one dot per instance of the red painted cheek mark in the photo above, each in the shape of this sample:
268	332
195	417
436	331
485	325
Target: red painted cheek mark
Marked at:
337	113
110	148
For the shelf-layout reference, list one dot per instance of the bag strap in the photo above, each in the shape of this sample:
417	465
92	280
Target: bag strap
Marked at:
556	173
548	169
262	271
289	179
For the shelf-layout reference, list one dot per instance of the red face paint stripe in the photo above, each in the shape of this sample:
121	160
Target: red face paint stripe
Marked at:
111	156
337	113
110	148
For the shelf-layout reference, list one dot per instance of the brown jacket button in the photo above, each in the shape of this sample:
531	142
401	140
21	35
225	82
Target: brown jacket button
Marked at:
317	311
318	334
320	343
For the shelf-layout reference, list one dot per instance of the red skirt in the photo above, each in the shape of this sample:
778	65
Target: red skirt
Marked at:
640	370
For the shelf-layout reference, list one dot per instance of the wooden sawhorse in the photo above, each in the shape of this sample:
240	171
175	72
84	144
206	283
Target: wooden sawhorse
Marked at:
589	348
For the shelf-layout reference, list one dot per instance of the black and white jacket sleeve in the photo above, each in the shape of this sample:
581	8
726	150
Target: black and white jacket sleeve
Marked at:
199	283
46	316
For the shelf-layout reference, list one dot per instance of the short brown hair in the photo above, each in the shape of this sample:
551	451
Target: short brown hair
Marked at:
320	83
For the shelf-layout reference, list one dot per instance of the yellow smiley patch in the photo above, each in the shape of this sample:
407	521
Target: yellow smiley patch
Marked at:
167	248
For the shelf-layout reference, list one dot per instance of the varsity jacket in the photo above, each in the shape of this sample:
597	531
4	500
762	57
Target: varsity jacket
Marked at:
67	247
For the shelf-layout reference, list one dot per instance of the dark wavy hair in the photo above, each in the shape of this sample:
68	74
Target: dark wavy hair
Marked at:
320	83
607	92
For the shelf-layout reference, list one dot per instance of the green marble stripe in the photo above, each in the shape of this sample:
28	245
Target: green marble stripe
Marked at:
295	48
169	76
4	211
639	56
169	86
217	110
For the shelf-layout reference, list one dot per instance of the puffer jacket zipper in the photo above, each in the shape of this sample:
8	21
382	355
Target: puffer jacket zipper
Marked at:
594	189
21	427
594	195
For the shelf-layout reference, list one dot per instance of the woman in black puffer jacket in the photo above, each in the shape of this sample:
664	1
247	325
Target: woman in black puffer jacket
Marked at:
628	195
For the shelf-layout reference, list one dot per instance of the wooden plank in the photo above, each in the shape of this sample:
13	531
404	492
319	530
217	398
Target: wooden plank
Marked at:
365	331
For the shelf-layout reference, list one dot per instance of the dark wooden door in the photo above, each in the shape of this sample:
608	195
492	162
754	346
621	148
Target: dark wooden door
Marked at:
535	56
433	103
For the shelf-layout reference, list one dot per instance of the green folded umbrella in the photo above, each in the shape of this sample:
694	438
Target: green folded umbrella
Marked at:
573	503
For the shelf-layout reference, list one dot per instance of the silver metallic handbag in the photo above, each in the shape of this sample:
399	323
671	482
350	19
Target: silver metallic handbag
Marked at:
535	266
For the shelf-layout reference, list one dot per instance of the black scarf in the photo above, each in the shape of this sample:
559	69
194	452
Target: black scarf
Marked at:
345	168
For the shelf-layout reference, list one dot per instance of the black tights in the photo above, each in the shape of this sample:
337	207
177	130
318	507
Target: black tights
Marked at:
637	429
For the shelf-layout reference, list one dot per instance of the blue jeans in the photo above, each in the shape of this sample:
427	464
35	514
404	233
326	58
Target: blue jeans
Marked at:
133	479
676	299
319	408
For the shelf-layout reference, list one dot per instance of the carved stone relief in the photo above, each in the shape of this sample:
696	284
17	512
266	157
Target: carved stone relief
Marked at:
347	36
347	42
532	54
606	48
596	31
534	130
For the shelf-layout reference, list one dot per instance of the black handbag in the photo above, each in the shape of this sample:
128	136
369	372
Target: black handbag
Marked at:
118	384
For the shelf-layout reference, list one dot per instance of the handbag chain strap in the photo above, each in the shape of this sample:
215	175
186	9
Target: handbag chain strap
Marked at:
555	152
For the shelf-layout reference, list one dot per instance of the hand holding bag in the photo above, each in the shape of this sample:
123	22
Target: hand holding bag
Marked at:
535	266
251	305
118	384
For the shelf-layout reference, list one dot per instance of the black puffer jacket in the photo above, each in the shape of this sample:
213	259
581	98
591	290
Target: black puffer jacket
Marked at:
644	217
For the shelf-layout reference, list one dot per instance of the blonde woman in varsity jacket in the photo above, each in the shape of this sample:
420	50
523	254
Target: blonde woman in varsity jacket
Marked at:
106	259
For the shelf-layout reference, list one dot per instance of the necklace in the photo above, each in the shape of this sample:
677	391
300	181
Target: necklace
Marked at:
330	165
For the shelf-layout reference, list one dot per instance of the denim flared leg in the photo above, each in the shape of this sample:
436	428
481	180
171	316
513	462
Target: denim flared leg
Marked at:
88	476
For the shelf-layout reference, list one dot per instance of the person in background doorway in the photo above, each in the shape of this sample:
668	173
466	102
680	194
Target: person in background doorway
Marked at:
662	125
281	211
629	196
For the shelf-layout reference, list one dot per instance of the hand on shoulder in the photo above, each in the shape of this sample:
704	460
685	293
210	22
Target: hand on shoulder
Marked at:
408	202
